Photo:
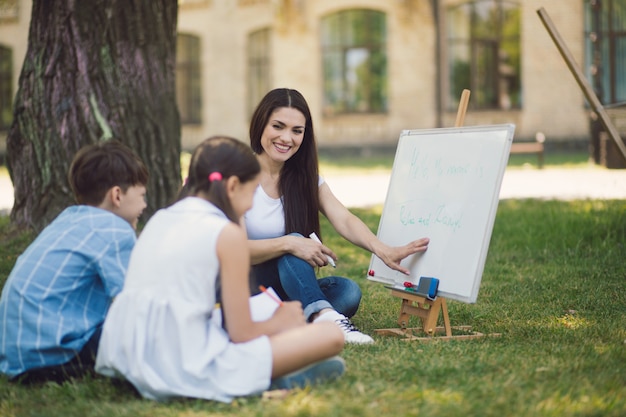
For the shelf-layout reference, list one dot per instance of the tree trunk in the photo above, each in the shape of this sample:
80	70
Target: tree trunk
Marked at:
94	70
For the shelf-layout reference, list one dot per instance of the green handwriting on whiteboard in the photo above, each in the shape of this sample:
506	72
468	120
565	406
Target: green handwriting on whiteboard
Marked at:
422	166
439	217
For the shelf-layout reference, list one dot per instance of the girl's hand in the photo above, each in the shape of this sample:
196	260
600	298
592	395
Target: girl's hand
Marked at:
290	315
311	251
392	256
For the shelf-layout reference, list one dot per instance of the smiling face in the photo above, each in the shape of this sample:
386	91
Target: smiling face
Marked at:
283	134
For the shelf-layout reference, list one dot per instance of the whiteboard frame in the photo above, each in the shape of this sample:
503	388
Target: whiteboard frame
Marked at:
503	132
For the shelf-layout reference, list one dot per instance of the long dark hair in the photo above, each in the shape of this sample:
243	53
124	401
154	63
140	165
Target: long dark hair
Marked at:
226	156
299	176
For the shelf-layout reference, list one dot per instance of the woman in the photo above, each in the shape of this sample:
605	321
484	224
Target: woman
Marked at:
287	203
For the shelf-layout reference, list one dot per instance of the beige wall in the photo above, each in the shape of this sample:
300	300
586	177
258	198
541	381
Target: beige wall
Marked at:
552	101
296	63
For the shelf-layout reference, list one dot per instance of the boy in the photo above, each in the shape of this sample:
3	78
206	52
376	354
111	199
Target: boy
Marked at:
57	295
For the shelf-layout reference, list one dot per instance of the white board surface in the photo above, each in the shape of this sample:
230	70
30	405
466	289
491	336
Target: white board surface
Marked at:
444	185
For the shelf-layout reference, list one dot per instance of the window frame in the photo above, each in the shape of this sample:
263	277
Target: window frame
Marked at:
259	64
189	78
605	68
354	62
492	69
6	87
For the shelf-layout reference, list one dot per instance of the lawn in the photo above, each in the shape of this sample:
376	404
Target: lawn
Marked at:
554	287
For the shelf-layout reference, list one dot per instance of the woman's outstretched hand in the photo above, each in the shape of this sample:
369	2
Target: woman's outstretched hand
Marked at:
393	255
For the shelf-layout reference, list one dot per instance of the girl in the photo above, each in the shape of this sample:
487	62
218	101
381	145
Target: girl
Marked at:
159	333
286	208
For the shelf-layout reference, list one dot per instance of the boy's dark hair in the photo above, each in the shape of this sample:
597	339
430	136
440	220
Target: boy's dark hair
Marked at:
221	155
98	167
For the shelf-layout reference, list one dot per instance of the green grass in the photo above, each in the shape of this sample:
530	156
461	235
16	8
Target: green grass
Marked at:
553	286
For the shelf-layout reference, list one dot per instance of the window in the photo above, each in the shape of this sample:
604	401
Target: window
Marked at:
354	61
605	48
188	79
6	88
9	9
483	41
259	70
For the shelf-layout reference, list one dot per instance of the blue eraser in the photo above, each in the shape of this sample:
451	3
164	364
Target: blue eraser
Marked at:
428	286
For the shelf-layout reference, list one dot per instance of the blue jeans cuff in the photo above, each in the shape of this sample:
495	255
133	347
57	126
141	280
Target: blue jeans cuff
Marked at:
315	307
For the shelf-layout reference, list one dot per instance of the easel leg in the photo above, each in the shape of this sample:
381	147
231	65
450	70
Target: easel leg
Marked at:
430	322
446	318
403	319
428	312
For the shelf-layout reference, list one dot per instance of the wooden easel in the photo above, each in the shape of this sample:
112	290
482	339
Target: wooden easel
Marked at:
460	114
428	312
426	309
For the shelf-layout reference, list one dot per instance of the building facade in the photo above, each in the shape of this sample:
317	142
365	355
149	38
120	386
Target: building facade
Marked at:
372	68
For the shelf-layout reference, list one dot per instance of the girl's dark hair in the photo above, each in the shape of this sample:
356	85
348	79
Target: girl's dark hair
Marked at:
98	167
299	177
226	156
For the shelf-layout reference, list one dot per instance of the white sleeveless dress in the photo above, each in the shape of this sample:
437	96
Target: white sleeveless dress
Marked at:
158	333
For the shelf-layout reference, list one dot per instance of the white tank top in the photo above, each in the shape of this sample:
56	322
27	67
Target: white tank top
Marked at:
266	218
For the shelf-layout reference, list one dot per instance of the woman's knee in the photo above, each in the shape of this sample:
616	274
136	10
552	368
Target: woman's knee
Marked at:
343	293
352	292
293	264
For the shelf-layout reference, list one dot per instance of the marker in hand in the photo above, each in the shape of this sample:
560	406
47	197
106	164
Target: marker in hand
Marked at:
317	239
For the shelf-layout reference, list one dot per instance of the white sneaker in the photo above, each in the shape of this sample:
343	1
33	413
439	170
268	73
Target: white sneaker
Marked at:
350	331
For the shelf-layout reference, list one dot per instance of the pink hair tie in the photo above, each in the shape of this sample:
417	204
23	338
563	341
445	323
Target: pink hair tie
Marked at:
215	176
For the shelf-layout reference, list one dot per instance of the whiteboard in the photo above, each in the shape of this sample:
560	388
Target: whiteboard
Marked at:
444	185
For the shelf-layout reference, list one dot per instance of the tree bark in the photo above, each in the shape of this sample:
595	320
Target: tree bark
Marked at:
94	70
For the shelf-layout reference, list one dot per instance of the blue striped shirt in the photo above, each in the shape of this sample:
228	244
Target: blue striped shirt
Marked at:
60	288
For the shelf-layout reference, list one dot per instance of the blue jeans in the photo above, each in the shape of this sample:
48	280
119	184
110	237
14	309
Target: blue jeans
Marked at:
294	279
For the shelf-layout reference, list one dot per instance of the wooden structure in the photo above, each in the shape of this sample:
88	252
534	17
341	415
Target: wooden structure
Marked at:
428	312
